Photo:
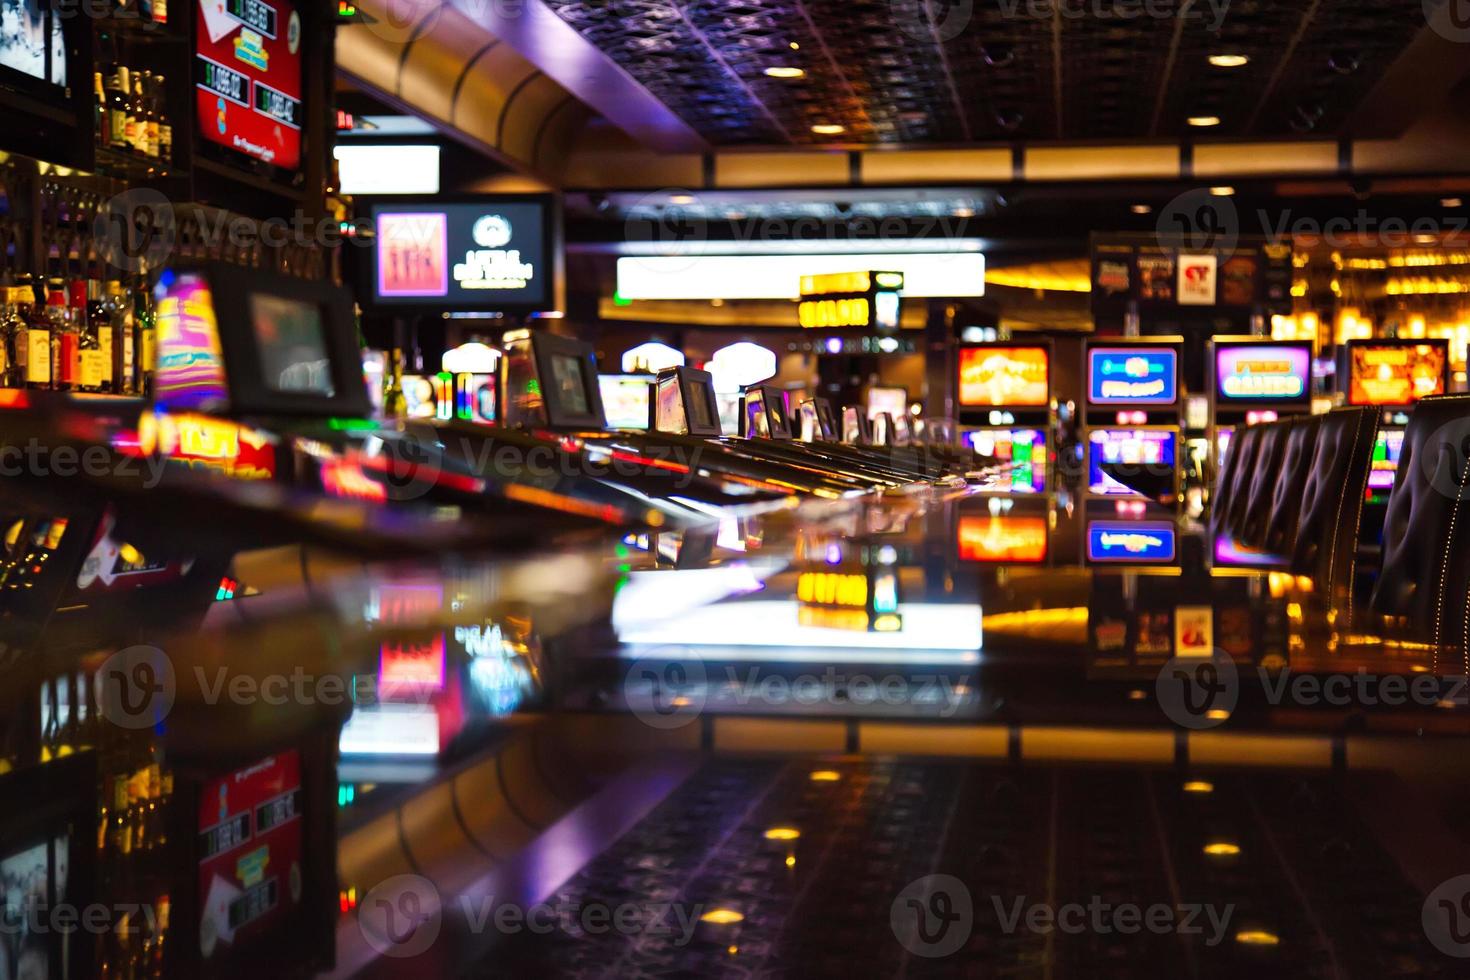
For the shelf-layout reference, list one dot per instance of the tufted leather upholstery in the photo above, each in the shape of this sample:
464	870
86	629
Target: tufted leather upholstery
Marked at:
1231	487
1426	533
1251	531
1332	500
1286	501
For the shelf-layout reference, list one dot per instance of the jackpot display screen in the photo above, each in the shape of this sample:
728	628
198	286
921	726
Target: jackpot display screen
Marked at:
1133	375
492	253
1263	373
1386	451
1024	449
625	399
1145	448
1381	373
247	78
1005	377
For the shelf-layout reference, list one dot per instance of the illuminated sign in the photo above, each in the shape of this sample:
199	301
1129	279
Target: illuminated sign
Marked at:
247	78
1263	372
833	589
190	370
850	299
1386	373
209	443
411	667
1131	542
1002	538
1132	375
1005	377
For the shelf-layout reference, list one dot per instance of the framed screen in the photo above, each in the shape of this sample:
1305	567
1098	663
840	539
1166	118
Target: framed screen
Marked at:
1263	373
1024	449
1387	448
699	396
486	253
1012	538
1132	375
1004	376
857	428
1131	542
1151	449
31	42
552	380
1395	372
625	399
247	79
289	334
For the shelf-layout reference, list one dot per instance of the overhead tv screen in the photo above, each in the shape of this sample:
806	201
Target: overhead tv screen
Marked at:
1389	373
247	78
1005	377
31	41
1132	375
1263	373
487	254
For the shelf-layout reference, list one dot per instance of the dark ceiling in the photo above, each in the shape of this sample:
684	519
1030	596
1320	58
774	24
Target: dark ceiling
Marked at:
961	71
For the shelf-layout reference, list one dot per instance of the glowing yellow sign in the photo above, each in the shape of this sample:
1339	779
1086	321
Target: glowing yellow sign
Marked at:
851	312
833	589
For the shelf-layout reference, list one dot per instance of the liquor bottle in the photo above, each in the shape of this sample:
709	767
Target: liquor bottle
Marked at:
120	317
149	94
139	114
99	111
117	109
143	340
165	128
12	329
62	306
38	341
95	364
395	406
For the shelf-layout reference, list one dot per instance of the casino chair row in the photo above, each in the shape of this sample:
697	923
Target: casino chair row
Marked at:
1296	488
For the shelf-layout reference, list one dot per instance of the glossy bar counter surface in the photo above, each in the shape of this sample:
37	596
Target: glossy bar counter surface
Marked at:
924	730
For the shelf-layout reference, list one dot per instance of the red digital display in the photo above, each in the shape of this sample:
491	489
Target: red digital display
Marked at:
247	78
250	873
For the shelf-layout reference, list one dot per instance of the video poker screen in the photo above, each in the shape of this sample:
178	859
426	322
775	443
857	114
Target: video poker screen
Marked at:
1264	373
1132	375
247	78
487	254
1151	448
1382	373
1025	449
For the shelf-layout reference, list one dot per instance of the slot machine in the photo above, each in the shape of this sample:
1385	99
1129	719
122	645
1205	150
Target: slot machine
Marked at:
1254	379
1392	375
1131	418
1005	412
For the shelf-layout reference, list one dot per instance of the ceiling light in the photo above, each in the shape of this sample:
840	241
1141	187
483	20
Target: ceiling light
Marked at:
1224	190
1141	209
681	199
785	71
795	46
1450	202
1204	121
828	129
1229	60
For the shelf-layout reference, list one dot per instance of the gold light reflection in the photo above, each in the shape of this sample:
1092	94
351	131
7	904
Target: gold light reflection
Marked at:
722	917
1222	848
782	833
1257	937
1199	786
825	776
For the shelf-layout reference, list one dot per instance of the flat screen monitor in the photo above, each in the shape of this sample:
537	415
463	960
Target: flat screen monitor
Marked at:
1395	372
1387	448
1131	542
1133	374
567	384
290	337
31	42
1023	449
1154	450
487	253
1263	374
1019	539
248	81
1005	376
625	399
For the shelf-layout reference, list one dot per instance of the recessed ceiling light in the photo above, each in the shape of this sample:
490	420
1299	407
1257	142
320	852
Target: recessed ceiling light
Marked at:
795	46
785	71
1204	121
1229	60
1450	202
1141	209
828	129
681	199
1223	190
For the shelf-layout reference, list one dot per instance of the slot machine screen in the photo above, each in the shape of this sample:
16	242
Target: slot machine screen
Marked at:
567	383
1386	451
1005	377
1149	448
702	418
1132	375
1009	538
1395	373
1273	374
190	370
1131	542
625	399
1025	449
291	341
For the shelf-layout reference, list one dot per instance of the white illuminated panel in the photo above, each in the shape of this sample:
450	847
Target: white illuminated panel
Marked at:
733	367
695	276
380	168
391	729
652	357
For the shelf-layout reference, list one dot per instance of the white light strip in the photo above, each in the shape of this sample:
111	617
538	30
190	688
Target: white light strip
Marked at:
387	168
696	276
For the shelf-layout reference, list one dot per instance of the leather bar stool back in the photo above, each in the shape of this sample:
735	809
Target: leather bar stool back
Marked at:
1230	490
1286	502
1332	503
1251	531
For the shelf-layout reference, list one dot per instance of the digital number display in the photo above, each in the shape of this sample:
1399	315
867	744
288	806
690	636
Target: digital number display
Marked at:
223	81
253	14
224	837
278	105
276	812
